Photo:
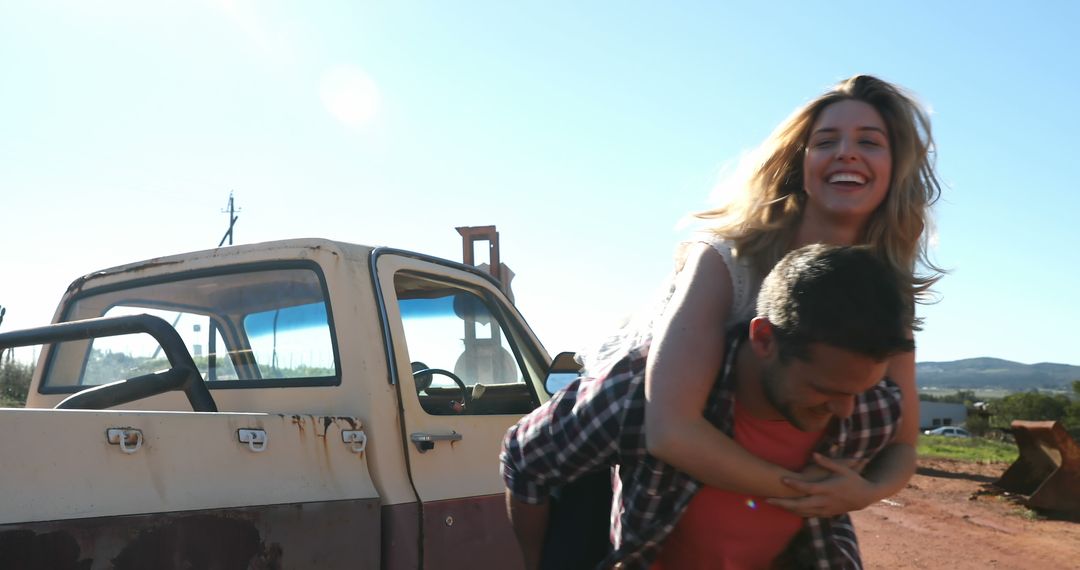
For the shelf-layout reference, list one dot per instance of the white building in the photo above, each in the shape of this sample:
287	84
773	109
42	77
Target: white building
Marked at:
937	414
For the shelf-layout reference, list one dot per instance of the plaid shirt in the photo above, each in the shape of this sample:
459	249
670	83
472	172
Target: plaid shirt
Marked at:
598	423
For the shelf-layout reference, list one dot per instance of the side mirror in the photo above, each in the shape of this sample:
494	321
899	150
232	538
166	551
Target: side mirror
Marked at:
564	369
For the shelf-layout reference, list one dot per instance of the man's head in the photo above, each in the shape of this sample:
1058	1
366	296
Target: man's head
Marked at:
828	319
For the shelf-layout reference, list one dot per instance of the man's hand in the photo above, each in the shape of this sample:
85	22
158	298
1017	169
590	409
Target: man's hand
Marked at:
530	525
830	487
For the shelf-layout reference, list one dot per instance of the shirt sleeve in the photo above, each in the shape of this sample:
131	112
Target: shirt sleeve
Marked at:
576	432
875	421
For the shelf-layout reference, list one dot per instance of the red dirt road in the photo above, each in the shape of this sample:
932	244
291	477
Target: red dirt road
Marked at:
946	519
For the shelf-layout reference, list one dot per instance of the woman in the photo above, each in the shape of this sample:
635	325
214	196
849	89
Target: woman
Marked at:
854	166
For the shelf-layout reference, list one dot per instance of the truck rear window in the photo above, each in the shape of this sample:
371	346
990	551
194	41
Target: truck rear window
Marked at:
243	329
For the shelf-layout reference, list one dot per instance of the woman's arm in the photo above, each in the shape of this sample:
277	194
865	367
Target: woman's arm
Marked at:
685	357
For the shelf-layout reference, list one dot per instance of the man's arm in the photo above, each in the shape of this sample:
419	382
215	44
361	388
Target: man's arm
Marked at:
574	433
892	459
845	489
530	526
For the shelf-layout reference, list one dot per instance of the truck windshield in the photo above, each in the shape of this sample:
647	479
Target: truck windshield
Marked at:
244	329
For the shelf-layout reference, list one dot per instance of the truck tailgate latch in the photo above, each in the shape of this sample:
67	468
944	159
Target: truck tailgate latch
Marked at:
255	438
356	440
129	439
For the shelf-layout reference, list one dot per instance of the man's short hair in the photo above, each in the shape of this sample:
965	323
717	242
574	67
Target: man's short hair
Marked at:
843	296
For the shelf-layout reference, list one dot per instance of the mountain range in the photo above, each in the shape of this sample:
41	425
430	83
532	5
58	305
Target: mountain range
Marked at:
972	373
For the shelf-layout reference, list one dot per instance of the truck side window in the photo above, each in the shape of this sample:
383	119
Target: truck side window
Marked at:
455	334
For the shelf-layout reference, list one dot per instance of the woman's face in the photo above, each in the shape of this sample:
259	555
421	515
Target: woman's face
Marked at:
848	163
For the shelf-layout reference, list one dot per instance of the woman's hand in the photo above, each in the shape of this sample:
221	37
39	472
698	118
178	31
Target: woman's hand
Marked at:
829	487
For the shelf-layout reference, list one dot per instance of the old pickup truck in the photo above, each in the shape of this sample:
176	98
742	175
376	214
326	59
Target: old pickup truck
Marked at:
293	404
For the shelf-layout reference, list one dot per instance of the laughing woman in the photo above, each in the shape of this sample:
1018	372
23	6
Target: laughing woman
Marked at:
854	166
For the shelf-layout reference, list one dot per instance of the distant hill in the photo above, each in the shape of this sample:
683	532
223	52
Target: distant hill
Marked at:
974	373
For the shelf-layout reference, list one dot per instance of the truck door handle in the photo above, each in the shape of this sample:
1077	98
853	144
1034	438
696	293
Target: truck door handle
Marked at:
426	441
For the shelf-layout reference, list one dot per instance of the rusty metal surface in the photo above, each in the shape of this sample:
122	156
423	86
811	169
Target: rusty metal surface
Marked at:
187	463
1048	468
334	534
473	234
467	534
401	537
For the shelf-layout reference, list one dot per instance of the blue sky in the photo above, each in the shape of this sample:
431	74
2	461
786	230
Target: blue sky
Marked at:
584	130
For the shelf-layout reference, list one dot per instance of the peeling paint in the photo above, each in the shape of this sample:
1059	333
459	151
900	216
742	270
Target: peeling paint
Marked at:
137	267
201	541
331	251
353	422
330	535
78	283
299	422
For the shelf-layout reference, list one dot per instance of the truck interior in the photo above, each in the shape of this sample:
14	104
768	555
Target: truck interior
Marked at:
463	355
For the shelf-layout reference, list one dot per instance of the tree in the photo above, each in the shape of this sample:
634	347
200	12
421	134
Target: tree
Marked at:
14	376
978	423
1029	406
14	381
1072	416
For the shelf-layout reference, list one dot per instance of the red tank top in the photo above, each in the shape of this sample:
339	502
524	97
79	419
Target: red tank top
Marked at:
729	531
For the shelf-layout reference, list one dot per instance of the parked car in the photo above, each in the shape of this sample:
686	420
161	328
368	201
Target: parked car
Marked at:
948	431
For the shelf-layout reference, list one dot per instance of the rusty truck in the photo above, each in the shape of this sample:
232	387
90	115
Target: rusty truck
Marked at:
294	404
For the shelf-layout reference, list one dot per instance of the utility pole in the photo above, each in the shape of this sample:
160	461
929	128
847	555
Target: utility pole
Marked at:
232	221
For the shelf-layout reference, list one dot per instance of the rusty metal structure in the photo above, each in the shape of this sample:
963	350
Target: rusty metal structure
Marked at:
1048	468
472	234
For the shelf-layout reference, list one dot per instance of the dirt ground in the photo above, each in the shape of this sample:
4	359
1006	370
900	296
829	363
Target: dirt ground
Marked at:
948	517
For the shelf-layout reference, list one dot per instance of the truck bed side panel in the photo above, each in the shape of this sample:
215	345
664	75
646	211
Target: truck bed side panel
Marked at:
186	473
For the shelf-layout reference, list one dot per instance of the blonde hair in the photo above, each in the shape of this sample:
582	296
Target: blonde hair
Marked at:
763	218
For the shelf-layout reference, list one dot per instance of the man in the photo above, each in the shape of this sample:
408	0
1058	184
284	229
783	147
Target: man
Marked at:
805	376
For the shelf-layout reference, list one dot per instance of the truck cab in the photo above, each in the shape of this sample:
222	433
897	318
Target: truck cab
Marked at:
357	399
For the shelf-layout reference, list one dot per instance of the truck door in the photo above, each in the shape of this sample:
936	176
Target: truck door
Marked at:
466	369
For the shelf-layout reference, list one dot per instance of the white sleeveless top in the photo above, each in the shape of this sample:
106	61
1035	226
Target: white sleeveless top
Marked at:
745	282
636	333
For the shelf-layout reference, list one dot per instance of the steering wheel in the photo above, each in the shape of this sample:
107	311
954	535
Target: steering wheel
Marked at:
424	375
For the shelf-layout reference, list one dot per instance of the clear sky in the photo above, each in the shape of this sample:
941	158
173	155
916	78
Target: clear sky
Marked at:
584	130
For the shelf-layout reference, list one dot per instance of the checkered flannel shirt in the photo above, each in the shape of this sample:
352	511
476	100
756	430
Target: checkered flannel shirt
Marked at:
598	423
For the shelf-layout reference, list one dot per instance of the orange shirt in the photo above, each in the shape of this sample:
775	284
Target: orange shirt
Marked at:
729	531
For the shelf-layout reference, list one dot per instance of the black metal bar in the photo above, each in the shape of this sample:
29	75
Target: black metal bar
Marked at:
183	375
124	391
211	352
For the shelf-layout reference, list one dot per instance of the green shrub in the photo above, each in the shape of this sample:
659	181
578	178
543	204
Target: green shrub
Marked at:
967	449
14	383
